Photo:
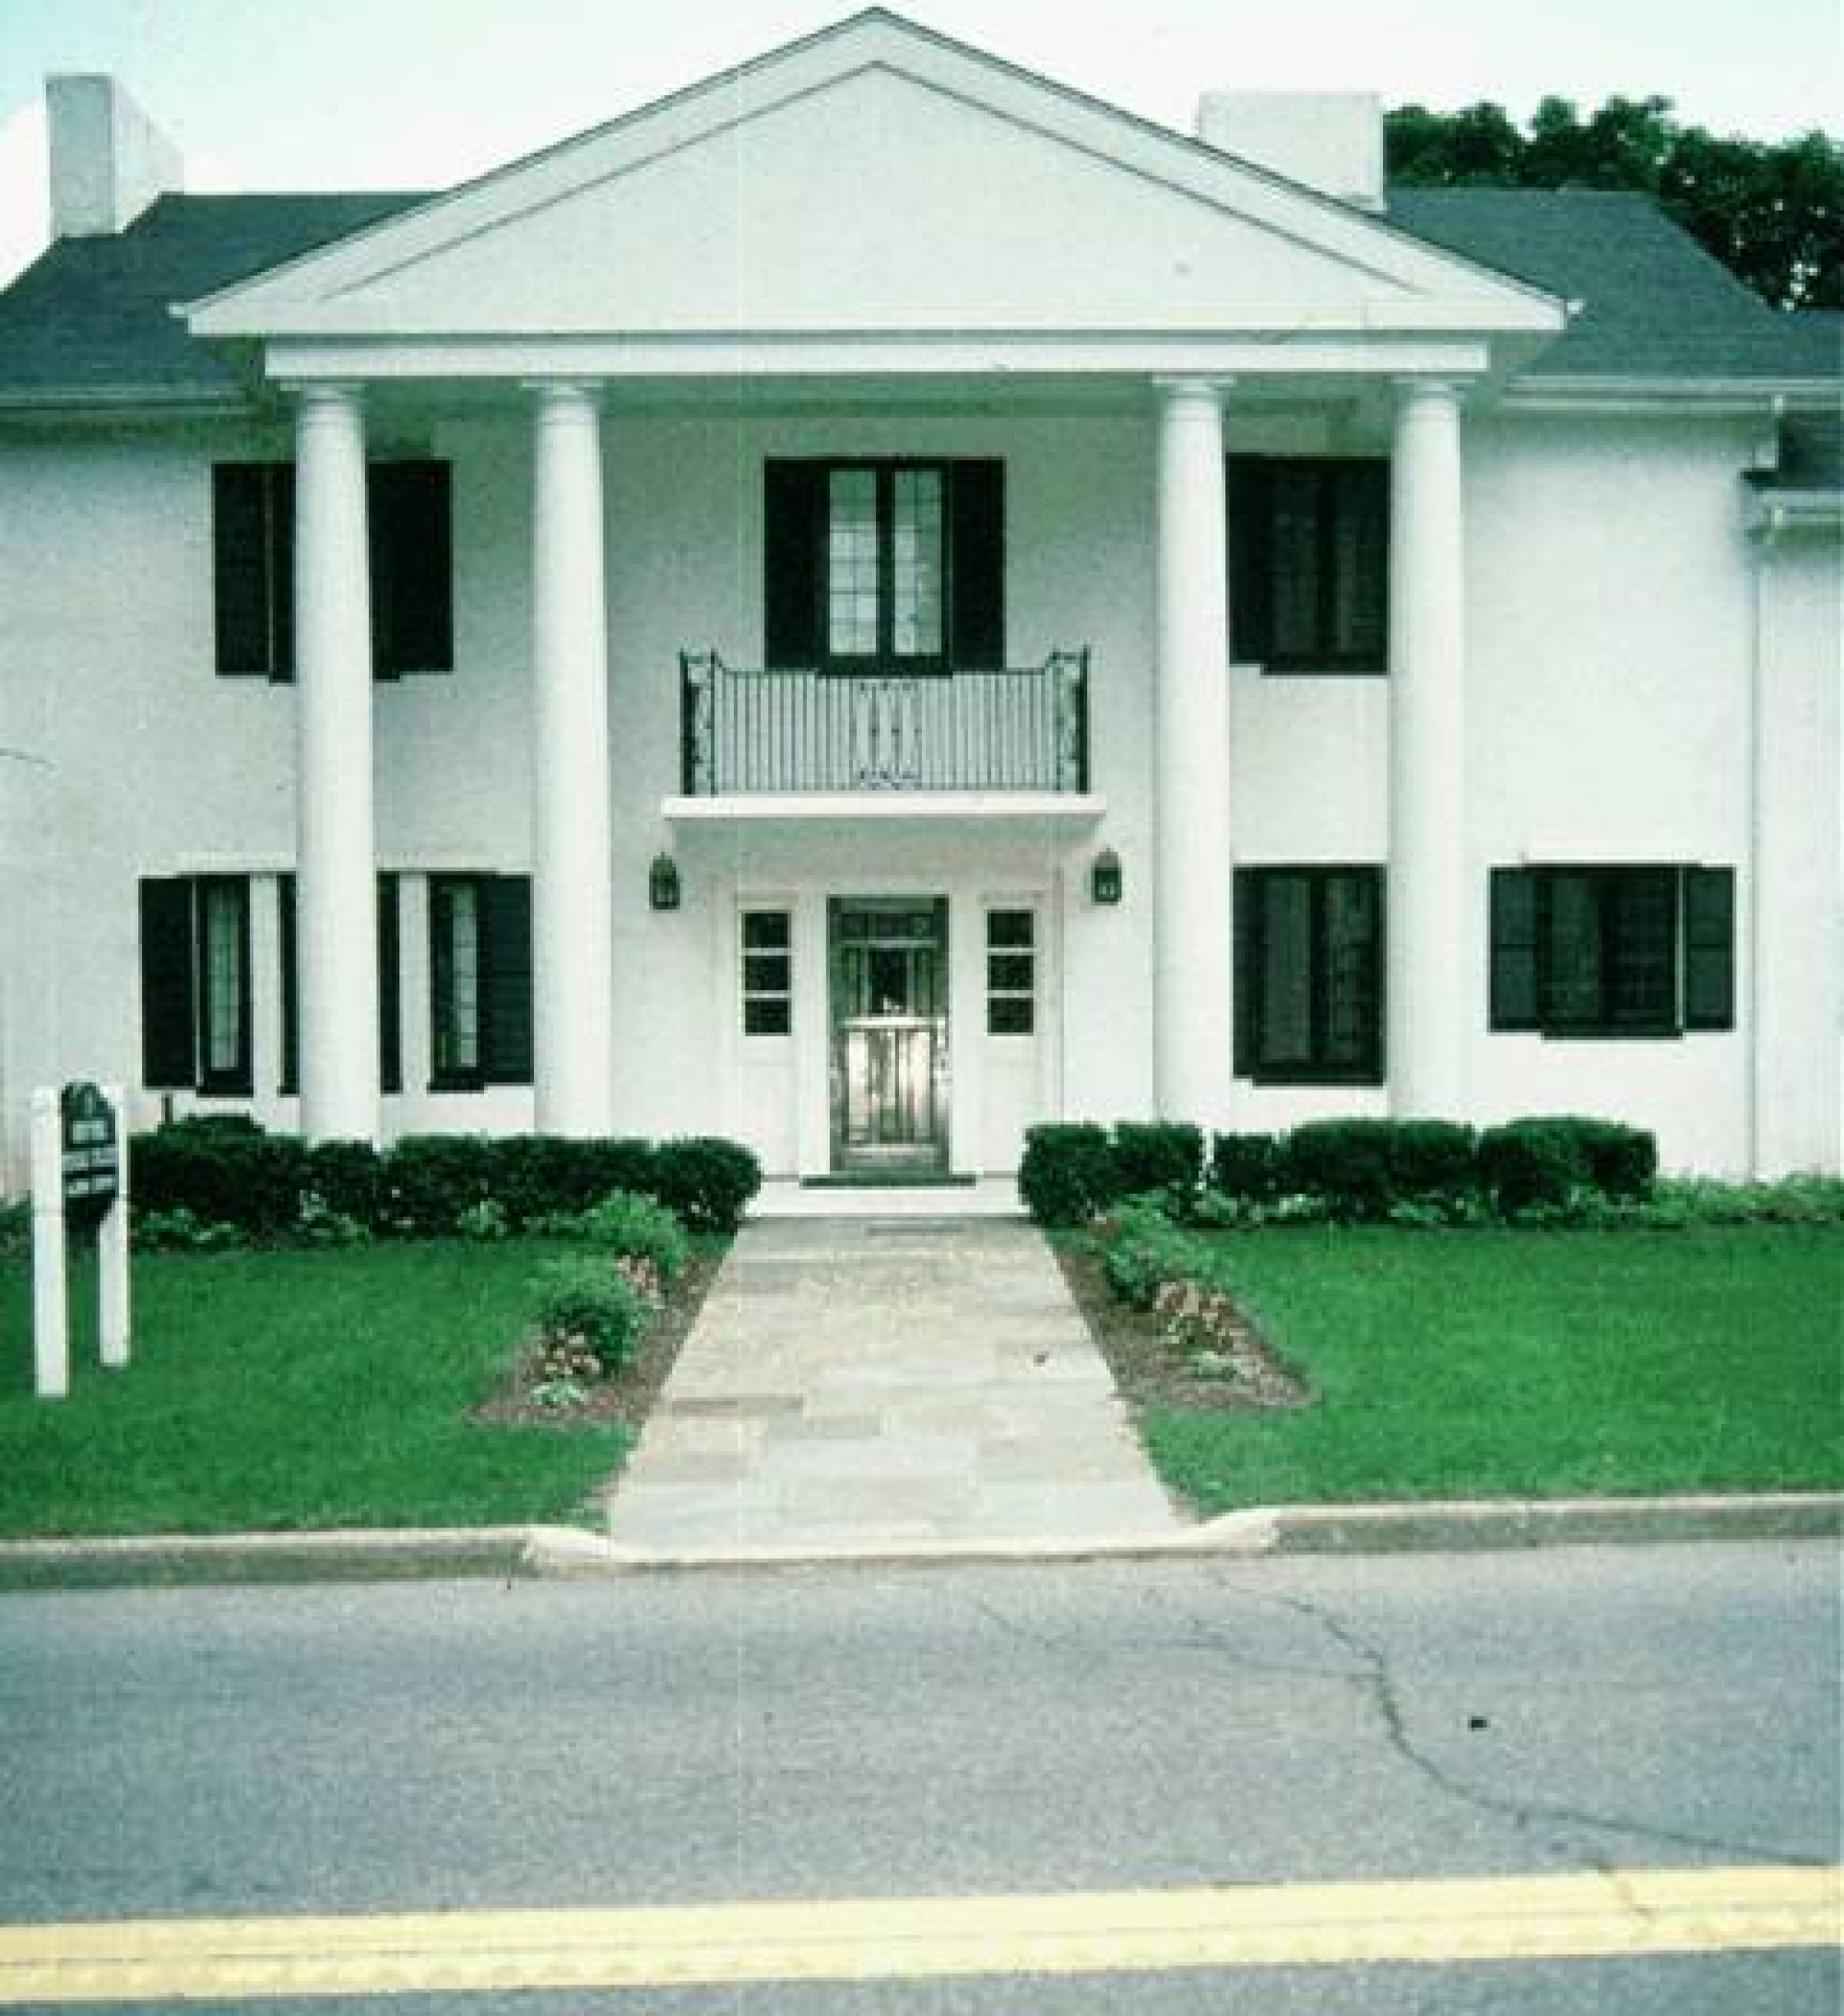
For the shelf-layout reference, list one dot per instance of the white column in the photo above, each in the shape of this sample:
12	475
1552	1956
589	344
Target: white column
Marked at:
1434	921
1190	878
572	892
335	894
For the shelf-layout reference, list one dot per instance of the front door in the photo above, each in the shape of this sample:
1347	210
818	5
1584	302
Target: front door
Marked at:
889	1033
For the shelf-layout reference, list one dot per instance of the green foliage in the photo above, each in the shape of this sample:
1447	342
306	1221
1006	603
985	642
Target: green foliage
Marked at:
1143	1249
15	1228
432	1180
1547	1164
626	1222
346	1178
1067	1173
486	1220
706	1182
591	1304
536	1175
181	1231
1246	1166
1771	211
223	1168
1157	1155
1365	1170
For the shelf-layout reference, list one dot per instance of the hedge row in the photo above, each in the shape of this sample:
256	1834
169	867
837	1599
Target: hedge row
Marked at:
226	1170
1352	1170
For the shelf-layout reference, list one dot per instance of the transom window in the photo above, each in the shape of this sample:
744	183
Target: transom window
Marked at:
768	972
1612	950
1010	973
885	563
1309	975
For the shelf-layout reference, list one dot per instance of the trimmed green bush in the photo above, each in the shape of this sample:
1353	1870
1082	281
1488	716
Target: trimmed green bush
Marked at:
706	1182
640	1227
1157	1155
1621	1161
1533	1165
589	1304
1366	1169
432	1180
537	1176
1246	1166
224	1170
348	1179
1068	1172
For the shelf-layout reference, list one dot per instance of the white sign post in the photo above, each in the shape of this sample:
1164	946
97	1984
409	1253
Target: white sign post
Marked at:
80	1158
51	1334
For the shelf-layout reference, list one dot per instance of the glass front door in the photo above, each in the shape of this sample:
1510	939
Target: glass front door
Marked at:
889	1033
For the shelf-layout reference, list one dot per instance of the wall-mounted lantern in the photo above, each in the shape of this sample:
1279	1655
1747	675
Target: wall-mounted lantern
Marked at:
662	882
1104	877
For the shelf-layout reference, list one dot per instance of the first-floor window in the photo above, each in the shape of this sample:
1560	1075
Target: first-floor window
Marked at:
480	969
390	1036
1010	973
768	972
1309	975
196	983
1612	950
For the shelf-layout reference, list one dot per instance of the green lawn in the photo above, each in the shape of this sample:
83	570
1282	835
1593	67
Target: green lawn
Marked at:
1490	1363
290	1389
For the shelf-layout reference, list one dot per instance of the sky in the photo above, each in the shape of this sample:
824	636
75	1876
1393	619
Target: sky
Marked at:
318	94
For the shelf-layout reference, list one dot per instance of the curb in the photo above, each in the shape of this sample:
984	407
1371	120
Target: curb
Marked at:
506	1553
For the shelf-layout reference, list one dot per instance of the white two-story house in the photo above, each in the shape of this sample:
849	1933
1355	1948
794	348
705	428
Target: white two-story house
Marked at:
878	599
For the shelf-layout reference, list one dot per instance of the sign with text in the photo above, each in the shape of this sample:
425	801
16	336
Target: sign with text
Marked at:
91	1155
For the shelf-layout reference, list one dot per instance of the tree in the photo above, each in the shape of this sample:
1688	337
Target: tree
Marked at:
1772	211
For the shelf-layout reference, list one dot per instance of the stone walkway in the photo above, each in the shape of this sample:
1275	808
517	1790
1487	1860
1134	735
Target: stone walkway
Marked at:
875	1381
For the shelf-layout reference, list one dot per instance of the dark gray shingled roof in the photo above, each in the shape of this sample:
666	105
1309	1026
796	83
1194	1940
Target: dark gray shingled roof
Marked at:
91	317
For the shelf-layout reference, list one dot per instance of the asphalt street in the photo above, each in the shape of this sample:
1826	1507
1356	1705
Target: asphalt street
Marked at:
703	1739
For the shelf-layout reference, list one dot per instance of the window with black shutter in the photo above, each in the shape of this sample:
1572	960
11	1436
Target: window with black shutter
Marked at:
194	949
390	1012
481	983
410	537
884	564
1612	950
1309	975
1309	564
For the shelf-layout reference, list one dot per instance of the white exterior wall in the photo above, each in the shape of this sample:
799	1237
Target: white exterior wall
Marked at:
1610	658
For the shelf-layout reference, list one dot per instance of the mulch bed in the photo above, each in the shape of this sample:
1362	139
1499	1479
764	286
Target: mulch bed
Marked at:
629	1397
1155	1372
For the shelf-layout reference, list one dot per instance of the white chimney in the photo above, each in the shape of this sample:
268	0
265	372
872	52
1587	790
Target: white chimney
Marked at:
1331	141
107	159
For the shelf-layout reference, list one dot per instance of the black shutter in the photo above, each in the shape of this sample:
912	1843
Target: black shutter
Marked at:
291	1002
1514	949
1360	565
240	567
411	545
1371	975
1251	598
1247	896
169	1054
390	990
505	979
792	545
282	570
1709	948
976	565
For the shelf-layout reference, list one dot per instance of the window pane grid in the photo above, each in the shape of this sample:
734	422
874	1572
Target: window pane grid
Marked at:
767	972
1010	973
223	978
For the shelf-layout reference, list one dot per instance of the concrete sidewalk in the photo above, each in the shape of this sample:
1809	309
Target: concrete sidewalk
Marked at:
874	1382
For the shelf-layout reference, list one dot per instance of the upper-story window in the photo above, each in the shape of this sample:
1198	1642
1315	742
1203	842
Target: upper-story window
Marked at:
892	565
411	553
1309	564
1612	950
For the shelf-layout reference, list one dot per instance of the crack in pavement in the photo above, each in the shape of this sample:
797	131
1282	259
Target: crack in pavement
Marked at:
1547	1822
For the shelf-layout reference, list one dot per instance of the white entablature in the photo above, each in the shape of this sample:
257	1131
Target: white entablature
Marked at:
877	183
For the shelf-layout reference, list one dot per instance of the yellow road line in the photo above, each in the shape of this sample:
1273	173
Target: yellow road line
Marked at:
1636	1912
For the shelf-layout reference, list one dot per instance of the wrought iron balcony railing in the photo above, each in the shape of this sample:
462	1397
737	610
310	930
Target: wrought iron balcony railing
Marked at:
1022	729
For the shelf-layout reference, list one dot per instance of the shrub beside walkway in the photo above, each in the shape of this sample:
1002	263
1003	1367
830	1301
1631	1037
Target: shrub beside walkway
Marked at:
866	1381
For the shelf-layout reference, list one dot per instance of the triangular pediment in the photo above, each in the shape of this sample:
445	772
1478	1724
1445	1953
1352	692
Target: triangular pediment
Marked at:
875	178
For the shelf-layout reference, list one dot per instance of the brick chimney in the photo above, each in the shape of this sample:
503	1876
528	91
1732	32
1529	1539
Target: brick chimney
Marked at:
107	159
1331	141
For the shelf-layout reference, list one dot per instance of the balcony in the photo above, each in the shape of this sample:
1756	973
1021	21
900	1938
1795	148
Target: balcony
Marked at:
1020	732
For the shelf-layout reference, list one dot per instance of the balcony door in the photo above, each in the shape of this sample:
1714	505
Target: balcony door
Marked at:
889	972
